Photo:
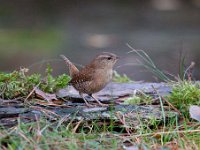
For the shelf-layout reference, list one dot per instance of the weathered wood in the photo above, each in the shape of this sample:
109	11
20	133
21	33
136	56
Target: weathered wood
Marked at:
10	111
117	90
78	110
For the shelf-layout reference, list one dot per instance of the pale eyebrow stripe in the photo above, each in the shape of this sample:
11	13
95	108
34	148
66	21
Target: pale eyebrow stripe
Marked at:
101	56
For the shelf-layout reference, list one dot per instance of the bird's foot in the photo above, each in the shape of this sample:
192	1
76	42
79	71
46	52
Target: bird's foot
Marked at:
100	104
89	105
103	105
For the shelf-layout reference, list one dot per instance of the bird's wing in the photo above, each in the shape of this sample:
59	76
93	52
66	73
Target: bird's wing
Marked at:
81	77
72	68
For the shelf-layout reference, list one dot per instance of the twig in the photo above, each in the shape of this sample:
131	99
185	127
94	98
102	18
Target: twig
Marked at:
65	118
156	133
171	105
123	121
45	111
189	70
167	101
32	92
23	136
76	127
167	132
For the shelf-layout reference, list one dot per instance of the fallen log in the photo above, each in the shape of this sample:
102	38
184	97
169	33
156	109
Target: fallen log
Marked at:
75	109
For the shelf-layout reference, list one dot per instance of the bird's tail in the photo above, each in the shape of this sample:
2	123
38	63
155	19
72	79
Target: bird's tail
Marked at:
72	68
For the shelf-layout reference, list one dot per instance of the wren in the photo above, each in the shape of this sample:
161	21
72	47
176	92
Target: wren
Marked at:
93	77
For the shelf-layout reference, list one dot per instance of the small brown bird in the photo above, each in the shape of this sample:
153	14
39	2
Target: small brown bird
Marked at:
94	76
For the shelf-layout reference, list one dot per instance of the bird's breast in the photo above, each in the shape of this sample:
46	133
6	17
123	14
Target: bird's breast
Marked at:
102	77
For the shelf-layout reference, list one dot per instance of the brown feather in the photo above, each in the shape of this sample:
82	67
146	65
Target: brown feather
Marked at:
72	68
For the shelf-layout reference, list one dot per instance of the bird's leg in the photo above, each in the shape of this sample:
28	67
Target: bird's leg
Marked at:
101	104
87	104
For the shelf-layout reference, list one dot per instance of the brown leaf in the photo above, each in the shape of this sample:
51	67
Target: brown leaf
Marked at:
46	96
47	103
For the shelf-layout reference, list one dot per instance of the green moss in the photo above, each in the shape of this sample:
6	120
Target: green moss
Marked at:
138	99
184	94
18	83
133	100
120	78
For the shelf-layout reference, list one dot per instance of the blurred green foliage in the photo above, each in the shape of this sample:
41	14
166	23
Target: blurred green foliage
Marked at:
26	39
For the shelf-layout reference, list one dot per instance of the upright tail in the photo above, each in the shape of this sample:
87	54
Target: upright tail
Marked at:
72	68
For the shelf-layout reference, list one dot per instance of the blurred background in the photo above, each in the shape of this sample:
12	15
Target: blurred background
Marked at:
35	32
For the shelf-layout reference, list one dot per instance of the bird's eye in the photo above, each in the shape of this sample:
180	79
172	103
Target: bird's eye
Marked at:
109	58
